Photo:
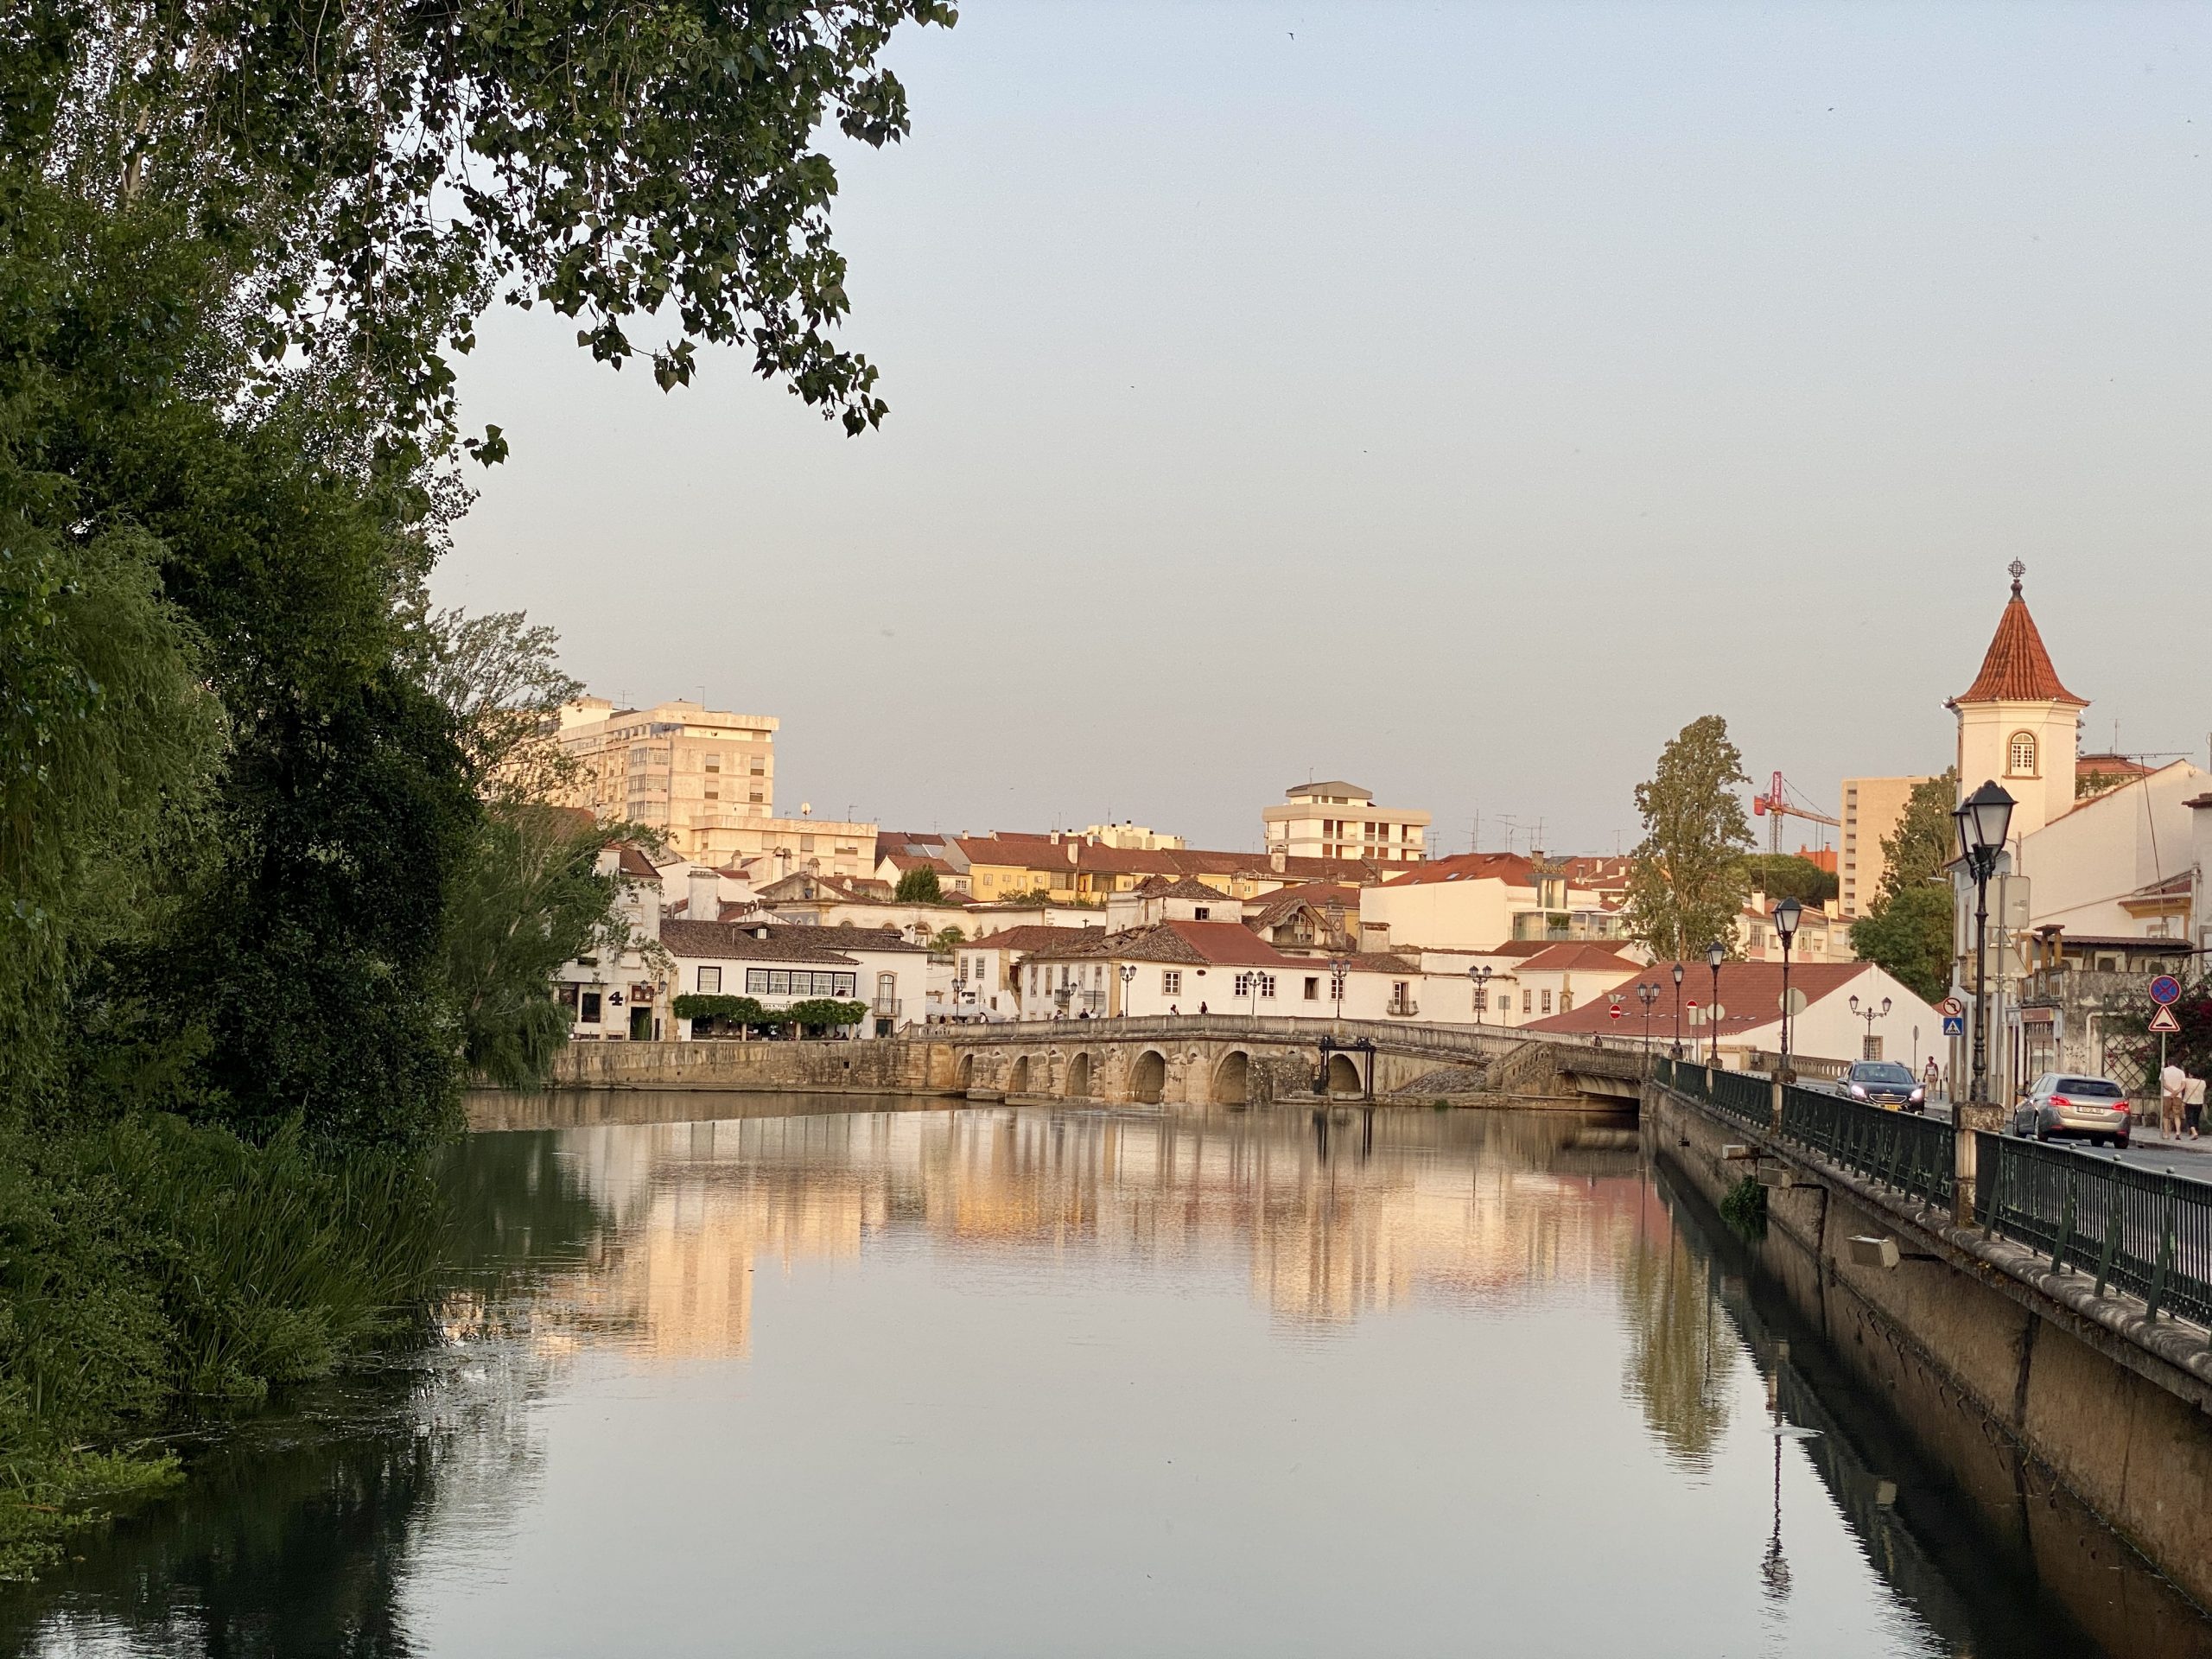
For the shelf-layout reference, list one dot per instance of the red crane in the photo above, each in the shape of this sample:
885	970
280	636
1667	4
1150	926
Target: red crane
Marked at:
1775	805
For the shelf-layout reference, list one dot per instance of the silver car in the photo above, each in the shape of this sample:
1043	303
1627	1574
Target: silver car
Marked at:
2059	1106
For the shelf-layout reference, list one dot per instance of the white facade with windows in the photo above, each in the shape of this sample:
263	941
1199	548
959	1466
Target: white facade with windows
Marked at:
1341	820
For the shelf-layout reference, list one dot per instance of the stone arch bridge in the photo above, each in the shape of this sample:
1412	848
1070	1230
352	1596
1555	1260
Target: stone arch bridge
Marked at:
1228	1061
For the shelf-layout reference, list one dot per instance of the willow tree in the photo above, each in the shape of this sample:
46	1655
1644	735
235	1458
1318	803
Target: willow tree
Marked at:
1689	880
241	246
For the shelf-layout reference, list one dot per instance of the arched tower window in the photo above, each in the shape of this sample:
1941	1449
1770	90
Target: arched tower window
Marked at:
2020	754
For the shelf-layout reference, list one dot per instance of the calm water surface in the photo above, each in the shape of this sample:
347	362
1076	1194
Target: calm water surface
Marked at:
1020	1382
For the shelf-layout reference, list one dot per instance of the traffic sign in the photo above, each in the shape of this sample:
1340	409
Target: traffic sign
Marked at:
1615	1011
2164	1021
1955	1025
1950	1007
2165	991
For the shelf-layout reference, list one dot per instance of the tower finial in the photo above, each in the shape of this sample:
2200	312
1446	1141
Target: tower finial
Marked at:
2017	570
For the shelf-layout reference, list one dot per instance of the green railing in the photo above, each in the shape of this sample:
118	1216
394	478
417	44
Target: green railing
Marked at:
1900	1149
2140	1231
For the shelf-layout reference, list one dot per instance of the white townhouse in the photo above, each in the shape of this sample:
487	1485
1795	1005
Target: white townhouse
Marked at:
777	964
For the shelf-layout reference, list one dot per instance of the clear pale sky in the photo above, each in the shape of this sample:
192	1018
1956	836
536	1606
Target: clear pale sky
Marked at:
1456	399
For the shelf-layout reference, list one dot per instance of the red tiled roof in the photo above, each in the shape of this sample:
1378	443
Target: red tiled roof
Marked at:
1750	991
1578	957
726	939
2017	668
1030	937
1181	886
1510	867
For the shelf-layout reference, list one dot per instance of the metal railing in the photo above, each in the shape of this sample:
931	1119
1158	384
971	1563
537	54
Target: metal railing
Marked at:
1900	1149
1897	1149
2144	1232
2141	1230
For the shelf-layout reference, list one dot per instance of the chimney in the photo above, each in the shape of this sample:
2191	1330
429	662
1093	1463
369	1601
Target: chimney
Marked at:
1073	847
703	899
1278	861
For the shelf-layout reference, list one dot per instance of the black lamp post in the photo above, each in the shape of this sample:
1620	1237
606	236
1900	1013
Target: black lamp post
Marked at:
1786	916
1870	1013
1480	977
1715	954
1985	819
1338	970
1675	1054
1647	994
1128	972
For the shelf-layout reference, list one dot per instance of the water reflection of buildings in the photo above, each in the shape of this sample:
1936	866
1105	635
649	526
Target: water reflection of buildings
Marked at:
1327	1221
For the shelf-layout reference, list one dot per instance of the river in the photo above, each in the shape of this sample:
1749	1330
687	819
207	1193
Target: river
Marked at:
804	1380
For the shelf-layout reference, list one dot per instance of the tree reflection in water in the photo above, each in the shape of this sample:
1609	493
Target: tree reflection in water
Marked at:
1683	1351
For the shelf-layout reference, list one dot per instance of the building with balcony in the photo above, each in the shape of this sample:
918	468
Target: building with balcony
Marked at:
1873	808
1341	820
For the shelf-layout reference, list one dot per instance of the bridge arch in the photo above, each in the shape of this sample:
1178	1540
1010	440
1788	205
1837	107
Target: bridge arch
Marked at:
964	1078
1344	1076
1017	1081
1078	1079
1148	1078
1232	1079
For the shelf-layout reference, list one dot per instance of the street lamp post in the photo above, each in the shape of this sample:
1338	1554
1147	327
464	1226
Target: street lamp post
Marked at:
1675	1054
1715	954
1870	1013
1786	915
1339	969
1647	994
1985	819
1128	973
1481	978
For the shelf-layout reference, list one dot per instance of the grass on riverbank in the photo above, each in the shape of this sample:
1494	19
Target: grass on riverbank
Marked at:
152	1270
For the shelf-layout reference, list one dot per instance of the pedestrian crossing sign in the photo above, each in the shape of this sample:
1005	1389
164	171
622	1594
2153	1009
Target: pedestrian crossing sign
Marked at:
1955	1025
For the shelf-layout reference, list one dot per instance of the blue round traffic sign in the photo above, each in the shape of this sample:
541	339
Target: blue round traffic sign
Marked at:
2165	991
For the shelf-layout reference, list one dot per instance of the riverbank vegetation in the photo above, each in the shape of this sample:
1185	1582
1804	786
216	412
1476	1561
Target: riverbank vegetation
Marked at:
273	881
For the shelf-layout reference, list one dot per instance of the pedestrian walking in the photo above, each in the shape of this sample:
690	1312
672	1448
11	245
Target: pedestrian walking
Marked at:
2173	1085
1931	1081
2192	1107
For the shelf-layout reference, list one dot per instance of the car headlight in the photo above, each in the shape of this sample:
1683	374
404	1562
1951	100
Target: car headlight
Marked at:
1858	1091
1917	1095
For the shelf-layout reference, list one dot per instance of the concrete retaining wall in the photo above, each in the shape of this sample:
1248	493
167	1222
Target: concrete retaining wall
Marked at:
2014	1387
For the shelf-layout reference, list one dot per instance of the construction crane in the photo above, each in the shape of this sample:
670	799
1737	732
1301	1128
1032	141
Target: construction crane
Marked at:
1775	805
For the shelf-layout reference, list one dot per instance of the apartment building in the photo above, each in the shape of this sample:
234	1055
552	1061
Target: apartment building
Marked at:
1873	808
1341	820
689	772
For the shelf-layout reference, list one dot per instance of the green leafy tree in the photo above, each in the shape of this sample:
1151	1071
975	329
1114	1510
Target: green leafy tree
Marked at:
1790	875
919	887
1907	930
824	1013
1689	882
947	940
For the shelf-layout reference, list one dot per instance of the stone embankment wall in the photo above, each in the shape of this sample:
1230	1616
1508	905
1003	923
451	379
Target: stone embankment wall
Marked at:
869	1068
2014	1380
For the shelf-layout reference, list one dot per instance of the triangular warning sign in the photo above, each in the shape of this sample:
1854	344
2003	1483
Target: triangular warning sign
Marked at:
2164	1020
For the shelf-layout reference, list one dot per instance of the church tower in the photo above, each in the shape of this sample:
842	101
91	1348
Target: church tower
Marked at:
2018	724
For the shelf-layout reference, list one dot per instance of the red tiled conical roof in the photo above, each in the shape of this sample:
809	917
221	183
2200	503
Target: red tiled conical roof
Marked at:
2017	668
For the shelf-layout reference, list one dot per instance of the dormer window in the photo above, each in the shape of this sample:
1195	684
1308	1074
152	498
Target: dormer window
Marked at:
2020	755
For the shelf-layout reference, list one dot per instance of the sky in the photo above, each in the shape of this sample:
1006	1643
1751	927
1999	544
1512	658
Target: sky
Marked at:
1457	399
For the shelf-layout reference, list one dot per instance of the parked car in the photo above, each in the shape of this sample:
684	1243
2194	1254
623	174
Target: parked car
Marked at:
1884	1084
2057	1105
